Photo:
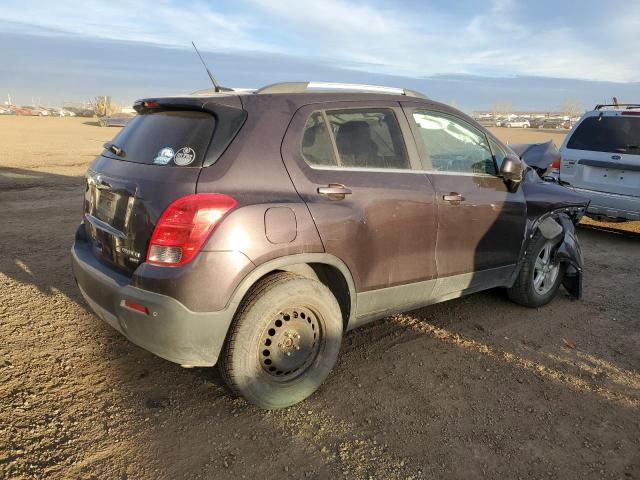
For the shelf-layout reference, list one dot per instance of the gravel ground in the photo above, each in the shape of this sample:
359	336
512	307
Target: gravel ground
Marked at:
473	388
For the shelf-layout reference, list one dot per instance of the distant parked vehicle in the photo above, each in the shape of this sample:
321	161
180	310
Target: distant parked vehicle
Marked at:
118	120
567	124
546	123
516	123
22	111
80	112
61	112
552	123
486	122
6	111
38	111
601	160
536	122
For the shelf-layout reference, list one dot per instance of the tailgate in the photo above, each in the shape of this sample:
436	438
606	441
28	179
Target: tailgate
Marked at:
611	175
123	202
152	162
603	154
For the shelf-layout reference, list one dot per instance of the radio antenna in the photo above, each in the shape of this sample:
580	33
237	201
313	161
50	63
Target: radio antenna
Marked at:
216	86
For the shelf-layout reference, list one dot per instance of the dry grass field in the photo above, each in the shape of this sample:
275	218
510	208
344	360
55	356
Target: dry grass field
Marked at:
472	388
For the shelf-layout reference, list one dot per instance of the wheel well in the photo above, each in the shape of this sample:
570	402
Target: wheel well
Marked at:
329	276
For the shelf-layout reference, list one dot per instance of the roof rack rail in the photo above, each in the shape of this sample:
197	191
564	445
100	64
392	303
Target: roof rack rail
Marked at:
628	106
309	87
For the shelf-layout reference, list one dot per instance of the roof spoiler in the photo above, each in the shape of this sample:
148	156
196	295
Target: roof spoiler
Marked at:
207	104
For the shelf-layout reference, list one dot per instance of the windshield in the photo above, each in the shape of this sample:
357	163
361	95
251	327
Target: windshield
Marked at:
617	134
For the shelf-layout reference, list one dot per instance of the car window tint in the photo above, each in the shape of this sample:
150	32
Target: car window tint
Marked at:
163	137
452	145
607	134
316	142
368	138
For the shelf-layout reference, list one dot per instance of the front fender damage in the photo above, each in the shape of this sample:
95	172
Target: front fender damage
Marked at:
560	228
570	253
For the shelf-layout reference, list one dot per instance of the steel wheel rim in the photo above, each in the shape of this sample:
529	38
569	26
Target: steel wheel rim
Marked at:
290	344
545	271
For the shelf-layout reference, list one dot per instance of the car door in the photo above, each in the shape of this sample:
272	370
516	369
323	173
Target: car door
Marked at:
362	183
481	222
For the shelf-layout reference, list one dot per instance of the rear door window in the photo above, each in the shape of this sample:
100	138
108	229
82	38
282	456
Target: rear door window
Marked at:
176	138
355	138
613	134
317	147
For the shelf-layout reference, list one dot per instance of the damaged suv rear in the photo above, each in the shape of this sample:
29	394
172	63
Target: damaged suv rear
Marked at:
251	230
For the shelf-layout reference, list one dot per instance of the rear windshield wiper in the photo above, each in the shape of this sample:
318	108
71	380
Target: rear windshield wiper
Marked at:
112	147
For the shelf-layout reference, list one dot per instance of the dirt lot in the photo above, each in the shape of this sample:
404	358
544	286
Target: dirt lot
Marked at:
473	388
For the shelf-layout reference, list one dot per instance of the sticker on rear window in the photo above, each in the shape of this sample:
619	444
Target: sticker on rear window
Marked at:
164	156
184	156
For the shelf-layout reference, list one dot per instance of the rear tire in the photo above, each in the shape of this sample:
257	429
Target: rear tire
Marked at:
539	277
283	342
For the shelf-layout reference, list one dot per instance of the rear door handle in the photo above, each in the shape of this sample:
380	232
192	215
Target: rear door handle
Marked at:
453	197
335	191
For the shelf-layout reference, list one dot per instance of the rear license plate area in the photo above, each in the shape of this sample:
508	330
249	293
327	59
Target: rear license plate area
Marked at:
106	205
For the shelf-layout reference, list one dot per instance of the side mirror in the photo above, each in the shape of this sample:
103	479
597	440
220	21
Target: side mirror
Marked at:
512	169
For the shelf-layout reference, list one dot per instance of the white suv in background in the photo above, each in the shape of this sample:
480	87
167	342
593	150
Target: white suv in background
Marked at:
600	158
516	123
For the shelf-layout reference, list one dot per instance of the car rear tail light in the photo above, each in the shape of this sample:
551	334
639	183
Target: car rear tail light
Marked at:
555	166
184	227
631	113
138	307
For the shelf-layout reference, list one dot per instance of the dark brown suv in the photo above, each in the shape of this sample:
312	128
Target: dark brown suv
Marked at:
253	229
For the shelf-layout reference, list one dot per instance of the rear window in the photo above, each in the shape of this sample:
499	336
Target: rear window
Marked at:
176	138
617	134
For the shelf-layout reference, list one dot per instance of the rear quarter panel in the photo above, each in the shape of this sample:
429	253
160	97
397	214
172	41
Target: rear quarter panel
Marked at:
252	171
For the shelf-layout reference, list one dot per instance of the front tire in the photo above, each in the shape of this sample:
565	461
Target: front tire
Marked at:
283	342
540	275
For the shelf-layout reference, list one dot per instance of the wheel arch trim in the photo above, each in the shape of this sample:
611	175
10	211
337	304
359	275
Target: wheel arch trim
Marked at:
285	263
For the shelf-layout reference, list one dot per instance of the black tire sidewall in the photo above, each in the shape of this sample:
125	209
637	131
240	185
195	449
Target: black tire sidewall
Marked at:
249	377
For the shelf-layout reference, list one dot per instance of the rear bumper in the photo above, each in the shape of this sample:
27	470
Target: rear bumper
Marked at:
611	204
170	330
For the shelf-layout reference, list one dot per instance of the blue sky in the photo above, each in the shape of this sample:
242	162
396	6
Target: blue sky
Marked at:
587	49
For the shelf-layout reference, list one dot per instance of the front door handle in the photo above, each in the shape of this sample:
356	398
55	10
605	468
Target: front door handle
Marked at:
334	191
453	197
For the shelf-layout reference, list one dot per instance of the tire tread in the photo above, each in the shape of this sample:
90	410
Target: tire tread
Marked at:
225	367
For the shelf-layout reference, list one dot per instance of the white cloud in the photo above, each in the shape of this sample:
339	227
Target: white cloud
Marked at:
421	43
417	41
154	21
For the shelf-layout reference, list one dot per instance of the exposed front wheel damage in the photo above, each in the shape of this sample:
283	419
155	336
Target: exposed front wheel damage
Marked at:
561	229
552	256
570	253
